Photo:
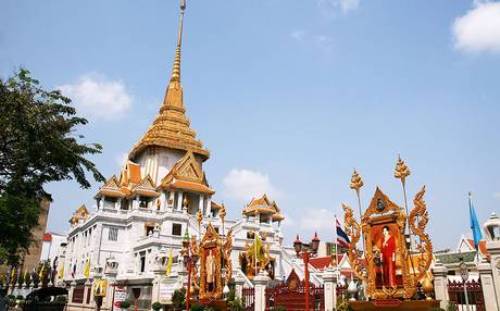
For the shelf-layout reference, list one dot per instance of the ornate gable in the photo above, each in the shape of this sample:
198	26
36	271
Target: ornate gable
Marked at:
81	213
381	205
263	205
146	188
187	174
110	188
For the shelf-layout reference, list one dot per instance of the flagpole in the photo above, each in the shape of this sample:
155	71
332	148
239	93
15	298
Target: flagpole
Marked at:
336	245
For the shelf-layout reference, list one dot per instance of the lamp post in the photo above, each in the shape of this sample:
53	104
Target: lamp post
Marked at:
305	251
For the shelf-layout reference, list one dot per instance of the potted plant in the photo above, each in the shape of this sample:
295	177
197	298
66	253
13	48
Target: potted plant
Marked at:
157	306
124	305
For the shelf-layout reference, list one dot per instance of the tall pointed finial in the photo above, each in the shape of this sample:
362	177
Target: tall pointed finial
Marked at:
402	171
356	181
176	70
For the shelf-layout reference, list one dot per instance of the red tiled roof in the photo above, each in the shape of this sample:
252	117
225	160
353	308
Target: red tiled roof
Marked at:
481	247
321	263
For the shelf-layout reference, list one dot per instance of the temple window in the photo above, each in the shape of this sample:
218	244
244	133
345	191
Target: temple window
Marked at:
109	203
149	229
124	205
177	229
142	262
216	229
143	202
113	234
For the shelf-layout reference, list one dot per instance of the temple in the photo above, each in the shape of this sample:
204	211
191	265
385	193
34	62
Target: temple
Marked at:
144	212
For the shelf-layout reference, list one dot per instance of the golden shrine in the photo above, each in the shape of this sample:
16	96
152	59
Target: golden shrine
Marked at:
256	257
215	268
397	253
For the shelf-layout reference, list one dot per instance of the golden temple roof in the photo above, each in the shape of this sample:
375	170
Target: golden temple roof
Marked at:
171	128
187	174
81	213
111	189
263	205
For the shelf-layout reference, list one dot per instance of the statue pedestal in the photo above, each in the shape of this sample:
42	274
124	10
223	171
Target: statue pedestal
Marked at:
394	305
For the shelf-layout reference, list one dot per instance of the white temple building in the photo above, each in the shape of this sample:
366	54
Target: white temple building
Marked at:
144	211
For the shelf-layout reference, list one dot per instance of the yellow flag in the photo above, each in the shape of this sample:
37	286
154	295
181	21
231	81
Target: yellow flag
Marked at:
258	247
169	264
61	272
42	272
86	269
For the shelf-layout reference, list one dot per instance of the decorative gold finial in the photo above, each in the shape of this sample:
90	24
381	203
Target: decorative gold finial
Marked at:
356	181
222	212
176	70
402	171
199	217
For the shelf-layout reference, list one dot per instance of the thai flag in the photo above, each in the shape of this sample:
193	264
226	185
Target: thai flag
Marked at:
342	238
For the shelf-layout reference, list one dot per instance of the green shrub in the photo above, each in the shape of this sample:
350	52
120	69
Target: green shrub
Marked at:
157	306
197	307
451	306
125	304
236	304
179	298
20	297
61	299
280	308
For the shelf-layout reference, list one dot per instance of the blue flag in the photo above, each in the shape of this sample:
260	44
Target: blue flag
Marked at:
474	224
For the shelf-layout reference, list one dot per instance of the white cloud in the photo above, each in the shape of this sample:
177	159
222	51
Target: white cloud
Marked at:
98	98
320	41
317	220
496	195
330	6
479	29
243	185
298	35
323	42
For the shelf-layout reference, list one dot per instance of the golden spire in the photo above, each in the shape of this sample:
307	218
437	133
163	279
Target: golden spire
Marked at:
171	128
402	171
176	70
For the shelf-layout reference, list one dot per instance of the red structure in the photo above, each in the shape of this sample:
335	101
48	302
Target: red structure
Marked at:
305	251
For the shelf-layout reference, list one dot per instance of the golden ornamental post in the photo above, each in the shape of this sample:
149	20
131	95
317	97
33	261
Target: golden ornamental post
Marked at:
401	172
222	215
356	185
199	218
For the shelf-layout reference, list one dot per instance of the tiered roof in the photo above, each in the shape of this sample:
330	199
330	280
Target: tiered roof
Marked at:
171	128
81	213
263	205
131	183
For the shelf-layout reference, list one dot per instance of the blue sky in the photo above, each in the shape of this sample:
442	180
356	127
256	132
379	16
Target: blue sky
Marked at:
289	96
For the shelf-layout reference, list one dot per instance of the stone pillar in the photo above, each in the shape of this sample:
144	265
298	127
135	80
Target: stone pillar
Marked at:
440	273
72	286
490	301
200	203
239	281
493	248
330	280
179	201
86	292
260	282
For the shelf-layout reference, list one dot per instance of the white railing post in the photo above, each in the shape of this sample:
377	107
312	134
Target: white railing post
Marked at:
440	273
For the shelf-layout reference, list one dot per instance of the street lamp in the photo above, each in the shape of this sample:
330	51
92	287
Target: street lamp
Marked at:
305	251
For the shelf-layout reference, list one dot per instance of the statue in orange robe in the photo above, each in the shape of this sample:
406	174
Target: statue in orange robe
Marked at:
388	258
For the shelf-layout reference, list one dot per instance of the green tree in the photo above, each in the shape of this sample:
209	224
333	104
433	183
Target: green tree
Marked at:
38	145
